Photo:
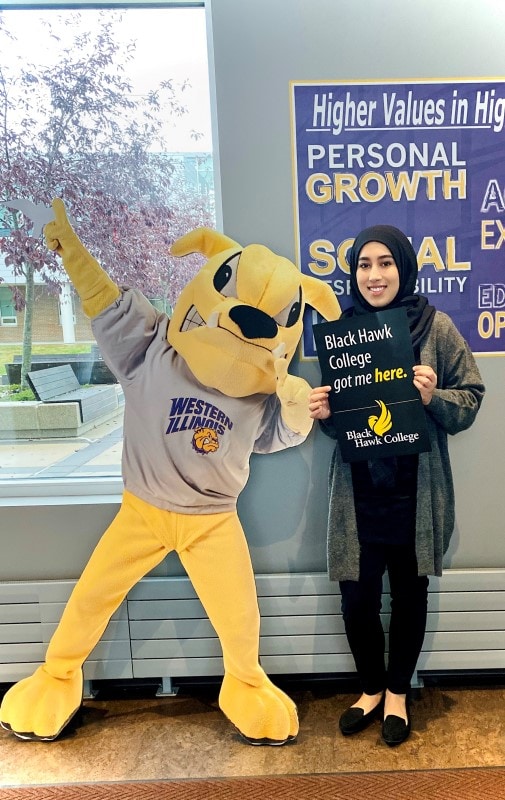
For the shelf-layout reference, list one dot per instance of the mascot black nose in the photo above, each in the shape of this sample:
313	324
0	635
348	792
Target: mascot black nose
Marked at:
253	323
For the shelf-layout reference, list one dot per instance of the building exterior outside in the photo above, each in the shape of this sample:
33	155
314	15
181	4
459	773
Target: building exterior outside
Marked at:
59	317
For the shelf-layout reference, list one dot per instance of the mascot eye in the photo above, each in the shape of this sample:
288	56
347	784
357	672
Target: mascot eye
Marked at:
291	314
225	279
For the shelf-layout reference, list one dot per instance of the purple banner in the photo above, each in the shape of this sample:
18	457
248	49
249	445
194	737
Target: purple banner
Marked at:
427	157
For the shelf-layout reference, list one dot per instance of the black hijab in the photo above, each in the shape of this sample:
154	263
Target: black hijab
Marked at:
419	311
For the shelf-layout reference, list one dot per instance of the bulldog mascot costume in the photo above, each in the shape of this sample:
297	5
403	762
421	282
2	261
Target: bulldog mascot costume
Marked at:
202	391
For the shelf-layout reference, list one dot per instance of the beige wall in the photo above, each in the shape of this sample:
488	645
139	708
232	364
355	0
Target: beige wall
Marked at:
259	47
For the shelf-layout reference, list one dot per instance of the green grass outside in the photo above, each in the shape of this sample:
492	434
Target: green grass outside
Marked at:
8	351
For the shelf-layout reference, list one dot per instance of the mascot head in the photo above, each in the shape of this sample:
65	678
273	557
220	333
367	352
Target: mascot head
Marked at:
242	310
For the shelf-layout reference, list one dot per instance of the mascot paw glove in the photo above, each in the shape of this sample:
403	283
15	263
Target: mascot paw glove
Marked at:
293	393
96	290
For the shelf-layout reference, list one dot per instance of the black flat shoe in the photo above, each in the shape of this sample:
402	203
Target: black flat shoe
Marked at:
395	730
354	719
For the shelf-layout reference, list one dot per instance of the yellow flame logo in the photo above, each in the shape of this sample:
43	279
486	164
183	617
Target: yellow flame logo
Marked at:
381	424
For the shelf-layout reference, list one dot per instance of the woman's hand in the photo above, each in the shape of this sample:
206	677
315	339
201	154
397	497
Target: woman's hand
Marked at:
425	380
319	406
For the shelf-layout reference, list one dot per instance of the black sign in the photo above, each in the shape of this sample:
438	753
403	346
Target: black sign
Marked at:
368	361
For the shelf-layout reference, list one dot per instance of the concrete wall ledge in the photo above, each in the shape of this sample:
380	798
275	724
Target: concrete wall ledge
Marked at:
37	420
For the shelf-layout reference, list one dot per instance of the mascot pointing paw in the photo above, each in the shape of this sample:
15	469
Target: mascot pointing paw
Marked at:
202	392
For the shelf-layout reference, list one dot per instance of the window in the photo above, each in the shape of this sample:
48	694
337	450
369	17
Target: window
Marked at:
108	108
7	310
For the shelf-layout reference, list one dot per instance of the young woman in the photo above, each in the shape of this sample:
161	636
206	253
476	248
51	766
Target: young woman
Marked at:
395	514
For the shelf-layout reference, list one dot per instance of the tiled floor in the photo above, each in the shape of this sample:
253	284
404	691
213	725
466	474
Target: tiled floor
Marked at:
132	735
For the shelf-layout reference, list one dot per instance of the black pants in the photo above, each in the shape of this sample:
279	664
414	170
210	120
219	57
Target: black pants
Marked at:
361	606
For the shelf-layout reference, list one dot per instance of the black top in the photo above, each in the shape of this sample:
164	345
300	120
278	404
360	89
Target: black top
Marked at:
386	514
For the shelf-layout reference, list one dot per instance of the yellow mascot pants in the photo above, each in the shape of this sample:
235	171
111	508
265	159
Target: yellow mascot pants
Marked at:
214	553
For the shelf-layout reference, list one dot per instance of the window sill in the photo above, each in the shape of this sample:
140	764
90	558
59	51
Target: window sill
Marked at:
59	492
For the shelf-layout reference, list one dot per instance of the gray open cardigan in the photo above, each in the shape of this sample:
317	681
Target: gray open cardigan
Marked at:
453	408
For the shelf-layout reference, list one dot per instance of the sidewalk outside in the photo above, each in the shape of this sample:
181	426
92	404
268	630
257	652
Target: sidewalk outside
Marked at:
96	454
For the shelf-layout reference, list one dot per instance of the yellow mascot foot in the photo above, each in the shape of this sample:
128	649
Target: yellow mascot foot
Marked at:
40	707
263	715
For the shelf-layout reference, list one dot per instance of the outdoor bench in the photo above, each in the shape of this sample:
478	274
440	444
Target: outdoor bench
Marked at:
90	368
60	385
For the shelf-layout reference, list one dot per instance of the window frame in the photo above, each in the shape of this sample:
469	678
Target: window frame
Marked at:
5	304
104	489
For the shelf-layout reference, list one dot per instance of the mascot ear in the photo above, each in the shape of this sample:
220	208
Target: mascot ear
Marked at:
202	240
320	296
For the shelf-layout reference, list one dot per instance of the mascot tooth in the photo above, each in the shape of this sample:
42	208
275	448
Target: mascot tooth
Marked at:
202	391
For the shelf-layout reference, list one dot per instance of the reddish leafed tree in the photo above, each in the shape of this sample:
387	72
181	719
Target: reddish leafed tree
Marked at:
75	130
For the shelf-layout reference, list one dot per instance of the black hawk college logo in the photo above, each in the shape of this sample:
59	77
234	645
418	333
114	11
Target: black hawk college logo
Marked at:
380	424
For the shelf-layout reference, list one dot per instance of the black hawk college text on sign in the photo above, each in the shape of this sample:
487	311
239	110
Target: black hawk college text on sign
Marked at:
368	361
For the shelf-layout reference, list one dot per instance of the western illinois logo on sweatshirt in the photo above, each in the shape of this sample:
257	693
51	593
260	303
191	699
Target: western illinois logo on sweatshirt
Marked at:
206	420
205	440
